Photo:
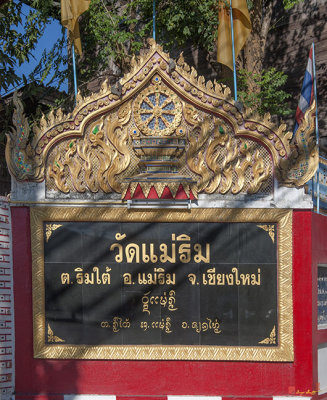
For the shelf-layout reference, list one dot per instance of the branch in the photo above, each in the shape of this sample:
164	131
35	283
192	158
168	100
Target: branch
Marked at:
266	21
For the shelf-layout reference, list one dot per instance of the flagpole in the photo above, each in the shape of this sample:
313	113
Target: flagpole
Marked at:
154	19
316	122
74	70
313	189
233	50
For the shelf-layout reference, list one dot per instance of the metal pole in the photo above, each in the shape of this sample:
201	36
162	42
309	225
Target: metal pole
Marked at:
154	19
318	191
233	50
315	91
313	190
316	125
74	70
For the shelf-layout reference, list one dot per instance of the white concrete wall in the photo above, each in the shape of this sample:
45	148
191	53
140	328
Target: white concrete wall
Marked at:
322	368
7	358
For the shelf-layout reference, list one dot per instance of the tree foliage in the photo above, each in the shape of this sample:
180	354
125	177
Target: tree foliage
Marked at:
182	22
119	28
19	35
270	96
114	30
288	4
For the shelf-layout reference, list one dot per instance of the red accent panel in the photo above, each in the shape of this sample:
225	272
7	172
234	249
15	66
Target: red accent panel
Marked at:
302	300
166	194
321	336
160	378
181	195
128	194
153	194
319	256
192	197
138	194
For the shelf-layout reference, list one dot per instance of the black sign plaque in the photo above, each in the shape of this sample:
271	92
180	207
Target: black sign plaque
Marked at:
160	283
200	285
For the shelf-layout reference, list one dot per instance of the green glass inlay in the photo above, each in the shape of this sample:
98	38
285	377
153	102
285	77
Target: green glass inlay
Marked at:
95	130
221	129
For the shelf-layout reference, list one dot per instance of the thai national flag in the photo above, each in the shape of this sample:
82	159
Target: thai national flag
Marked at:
307	93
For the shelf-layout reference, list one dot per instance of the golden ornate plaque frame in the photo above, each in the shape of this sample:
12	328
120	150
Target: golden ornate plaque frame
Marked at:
284	350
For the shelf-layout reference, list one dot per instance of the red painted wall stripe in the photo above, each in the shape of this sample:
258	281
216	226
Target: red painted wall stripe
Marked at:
319	256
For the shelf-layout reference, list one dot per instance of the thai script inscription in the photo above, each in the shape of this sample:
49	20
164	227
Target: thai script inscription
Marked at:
146	253
233	278
87	278
178	252
161	284
159	277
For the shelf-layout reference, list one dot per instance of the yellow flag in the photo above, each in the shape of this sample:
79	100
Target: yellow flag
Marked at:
242	29
70	12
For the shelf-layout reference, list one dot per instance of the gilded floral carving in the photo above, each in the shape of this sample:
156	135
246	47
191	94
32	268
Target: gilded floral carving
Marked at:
157	102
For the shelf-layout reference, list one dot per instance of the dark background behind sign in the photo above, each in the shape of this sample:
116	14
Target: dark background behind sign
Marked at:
322	295
246	314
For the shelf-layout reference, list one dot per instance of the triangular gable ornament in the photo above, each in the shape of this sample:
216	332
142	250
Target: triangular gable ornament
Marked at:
168	129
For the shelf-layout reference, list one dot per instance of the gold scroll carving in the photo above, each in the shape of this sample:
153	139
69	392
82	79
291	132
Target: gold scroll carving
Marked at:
271	339
52	338
49	229
93	163
223	150
270	229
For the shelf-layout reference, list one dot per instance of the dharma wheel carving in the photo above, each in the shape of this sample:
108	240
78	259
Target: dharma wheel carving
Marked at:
157	110
170	135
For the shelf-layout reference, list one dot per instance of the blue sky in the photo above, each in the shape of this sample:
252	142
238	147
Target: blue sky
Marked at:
49	38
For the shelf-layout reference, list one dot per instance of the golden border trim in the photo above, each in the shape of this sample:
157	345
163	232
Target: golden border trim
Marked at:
284	350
